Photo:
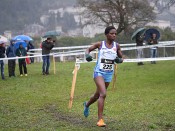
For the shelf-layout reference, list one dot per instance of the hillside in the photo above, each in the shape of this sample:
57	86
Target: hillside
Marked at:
15	14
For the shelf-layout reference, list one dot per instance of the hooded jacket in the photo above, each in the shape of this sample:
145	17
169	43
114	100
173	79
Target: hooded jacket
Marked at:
46	47
11	50
21	52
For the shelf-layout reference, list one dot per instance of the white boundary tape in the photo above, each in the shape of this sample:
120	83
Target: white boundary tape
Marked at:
81	52
69	54
150	46
122	45
12	58
167	46
77	47
135	60
150	59
64	48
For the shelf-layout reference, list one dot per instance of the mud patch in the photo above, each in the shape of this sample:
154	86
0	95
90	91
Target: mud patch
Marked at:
70	118
75	119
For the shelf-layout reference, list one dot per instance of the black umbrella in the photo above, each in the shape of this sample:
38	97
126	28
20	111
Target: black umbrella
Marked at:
51	34
140	30
149	32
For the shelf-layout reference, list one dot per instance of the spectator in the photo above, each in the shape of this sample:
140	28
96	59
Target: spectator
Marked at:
153	41
29	47
139	42
11	52
2	55
21	52
47	46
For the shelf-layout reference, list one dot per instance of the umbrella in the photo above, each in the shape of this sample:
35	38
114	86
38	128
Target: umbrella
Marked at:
3	39
51	34
149	32
140	30
20	42
2	42
22	37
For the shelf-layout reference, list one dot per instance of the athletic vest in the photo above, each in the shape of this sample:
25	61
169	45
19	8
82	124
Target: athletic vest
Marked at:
106	56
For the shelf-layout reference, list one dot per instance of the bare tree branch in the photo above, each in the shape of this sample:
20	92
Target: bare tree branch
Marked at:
162	7
122	13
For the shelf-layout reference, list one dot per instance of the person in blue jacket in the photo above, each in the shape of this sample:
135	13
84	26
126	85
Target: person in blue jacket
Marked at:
153	50
11	52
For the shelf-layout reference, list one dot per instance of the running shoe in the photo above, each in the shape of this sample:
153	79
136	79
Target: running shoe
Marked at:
101	123
86	110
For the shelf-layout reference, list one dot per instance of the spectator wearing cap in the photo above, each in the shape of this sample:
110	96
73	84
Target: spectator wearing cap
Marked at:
11	52
2	55
47	46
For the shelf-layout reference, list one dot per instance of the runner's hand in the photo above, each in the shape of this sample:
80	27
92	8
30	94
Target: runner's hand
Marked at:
88	57
118	60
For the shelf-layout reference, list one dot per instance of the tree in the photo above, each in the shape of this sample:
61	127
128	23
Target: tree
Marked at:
68	22
122	14
162	5
15	14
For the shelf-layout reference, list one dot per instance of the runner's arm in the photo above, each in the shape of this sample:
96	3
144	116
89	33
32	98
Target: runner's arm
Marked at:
119	52
93	47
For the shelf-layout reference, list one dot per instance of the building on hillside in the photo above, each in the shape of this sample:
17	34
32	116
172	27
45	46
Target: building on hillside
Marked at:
160	23
76	32
173	28
33	30
58	28
92	30
87	31
8	34
44	19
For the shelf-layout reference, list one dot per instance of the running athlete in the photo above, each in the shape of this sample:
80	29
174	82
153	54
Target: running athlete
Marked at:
109	53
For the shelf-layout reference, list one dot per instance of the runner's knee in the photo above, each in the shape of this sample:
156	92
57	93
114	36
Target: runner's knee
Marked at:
103	95
96	96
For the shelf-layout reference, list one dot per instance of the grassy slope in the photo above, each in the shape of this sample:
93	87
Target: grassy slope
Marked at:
142	100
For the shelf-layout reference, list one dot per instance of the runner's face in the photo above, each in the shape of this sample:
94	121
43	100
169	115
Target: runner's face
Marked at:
112	35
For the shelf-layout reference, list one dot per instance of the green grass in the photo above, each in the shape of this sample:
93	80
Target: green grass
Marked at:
144	99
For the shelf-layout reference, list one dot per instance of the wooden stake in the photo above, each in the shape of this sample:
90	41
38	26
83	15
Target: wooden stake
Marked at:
73	86
54	70
115	76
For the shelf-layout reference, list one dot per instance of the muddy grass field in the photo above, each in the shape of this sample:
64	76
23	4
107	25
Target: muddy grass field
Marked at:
143	99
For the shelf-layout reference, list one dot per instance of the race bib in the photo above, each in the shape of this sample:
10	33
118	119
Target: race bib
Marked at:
107	65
